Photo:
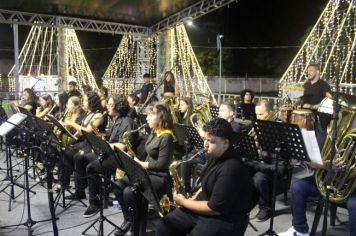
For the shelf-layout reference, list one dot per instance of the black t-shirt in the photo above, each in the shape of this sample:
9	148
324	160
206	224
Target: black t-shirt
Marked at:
315	93
132	113
227	186
168	88
33	105
146	88
248	111
73	93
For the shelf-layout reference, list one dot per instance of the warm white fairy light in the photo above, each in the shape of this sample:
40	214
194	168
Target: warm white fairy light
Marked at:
331	43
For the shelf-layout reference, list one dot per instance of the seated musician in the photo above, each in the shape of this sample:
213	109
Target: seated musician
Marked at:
227	112
247	107
45	105
28	101
305	188
92	120
159	147
103	94
186	110
87	165
262	171
60	101
223	204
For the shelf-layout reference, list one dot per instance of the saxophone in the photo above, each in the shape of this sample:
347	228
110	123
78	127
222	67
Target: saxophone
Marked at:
127	143
178	186
95	129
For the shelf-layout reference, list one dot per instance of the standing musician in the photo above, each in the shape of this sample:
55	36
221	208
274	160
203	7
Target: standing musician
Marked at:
93	118
223	204
159	148
72	89
170	85
87	165
315	90
145	91
45	105
262	171
247	107
133	101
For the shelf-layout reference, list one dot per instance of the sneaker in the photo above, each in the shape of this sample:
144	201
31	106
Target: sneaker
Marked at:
91	211
292	232
125	227
263	214
76	196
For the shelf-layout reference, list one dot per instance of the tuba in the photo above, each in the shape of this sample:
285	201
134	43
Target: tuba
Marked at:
169	101
344	182
201	115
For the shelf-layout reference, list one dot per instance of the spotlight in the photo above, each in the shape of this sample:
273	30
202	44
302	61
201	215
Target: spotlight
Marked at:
190	22
220	36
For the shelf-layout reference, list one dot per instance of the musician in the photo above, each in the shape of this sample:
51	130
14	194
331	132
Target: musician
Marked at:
315	90
60	101
159	148
72	89
227	112
133	101
170	85
28	100
93	118
46	103
303	189
247	106
223	204
88	165
146	88
262	171
186	110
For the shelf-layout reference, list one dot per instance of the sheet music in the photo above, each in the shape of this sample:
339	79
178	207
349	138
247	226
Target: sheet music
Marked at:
311	144
7	126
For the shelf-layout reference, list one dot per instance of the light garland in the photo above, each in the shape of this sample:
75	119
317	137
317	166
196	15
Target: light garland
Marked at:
331	43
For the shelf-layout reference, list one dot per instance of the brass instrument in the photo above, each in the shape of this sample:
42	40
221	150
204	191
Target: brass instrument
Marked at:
95	129
343	183
69	115
127	143
169	101
178	186
201	115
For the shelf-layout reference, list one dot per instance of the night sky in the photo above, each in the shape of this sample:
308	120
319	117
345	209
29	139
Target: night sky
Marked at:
247	26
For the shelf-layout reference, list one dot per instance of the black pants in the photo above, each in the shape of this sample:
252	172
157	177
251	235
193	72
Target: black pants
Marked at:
87	168
126	197
182	221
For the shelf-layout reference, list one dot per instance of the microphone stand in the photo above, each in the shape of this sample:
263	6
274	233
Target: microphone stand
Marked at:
331	171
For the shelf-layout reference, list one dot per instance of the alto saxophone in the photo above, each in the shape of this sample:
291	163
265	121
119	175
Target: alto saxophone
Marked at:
178	186
127	143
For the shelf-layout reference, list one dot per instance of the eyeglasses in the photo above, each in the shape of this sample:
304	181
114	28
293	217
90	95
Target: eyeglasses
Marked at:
110	105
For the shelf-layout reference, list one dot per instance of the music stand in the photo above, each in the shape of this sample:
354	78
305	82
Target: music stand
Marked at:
214	110
246	145
103	150
276	138
63	129
141	186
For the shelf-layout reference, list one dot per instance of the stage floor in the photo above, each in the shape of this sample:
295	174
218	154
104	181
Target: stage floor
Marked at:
72	223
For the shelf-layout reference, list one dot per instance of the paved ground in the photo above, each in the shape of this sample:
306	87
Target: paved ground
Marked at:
72	223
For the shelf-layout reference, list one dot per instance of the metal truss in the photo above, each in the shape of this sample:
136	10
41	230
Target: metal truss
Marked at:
26	18
192	12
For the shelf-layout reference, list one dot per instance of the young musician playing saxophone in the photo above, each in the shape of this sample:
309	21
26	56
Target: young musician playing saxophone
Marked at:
88	164
93	117
224	202
159	148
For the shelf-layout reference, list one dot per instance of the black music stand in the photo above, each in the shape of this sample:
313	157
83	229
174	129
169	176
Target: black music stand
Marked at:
281	140
61	194
103	150
142	186
39	133
214	110
246	146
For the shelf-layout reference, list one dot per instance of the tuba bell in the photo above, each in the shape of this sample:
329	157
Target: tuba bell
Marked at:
344	182
201	115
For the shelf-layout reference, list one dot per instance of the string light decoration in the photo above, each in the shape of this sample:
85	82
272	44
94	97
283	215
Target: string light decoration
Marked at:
186	68
40	59
135	56
331	43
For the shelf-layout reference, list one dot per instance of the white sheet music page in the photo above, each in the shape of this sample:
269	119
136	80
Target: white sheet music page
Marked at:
311	144
7	126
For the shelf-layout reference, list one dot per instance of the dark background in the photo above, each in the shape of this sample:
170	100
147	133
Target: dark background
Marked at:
261	37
